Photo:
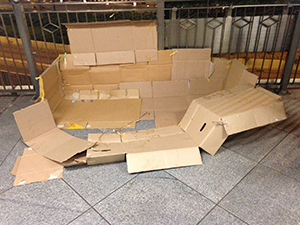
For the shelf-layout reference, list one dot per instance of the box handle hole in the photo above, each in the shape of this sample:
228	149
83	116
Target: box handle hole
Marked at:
203	126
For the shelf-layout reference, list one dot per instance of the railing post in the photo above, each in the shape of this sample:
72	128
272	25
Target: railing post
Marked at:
24	35
291	56
161	24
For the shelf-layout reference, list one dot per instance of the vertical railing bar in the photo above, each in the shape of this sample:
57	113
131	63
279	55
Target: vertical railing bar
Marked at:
249	34
231	33
21	58
77	20
266	42
274	45
196	28
287	28
86	17
60	30
45	42
52	34
222	33
296	71
36	44
9	45
7	67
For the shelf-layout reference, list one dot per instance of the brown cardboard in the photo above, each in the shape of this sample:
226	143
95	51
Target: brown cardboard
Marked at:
32	167
190	63
205	86
145	88
170	88
210	119
109	74
38	129
84	59
168	117
114	113
237	75
114	42
118	57
145	150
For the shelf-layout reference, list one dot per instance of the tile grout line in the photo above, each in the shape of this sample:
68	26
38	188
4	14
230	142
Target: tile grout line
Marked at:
257	163
115	190
91	207
190	187
216	204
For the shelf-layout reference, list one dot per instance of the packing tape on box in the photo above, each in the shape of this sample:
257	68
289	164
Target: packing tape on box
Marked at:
42	91
111	15
149	26
173	53
59	58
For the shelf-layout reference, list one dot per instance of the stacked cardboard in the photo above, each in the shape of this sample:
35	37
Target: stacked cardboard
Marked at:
117	80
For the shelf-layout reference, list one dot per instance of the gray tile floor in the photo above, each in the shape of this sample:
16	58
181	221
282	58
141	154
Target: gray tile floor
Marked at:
253	179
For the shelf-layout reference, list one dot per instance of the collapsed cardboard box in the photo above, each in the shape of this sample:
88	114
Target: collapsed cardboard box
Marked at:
117	94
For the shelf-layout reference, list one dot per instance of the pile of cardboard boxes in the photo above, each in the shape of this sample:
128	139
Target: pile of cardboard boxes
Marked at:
115	77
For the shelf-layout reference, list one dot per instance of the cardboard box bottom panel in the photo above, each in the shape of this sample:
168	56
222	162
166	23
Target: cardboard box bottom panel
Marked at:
117	113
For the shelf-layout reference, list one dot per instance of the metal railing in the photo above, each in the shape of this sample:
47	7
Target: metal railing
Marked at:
264	37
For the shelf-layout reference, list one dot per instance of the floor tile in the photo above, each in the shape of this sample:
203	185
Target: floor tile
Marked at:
90	217
82	133
154	198
285	158
220	216
265	197
256	143
51	202
94	183
218	174
6	178
9	136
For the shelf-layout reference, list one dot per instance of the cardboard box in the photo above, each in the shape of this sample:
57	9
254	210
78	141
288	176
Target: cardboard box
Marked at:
211	119
147	150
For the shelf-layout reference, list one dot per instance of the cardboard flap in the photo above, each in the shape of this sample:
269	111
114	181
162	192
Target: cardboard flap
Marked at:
39	131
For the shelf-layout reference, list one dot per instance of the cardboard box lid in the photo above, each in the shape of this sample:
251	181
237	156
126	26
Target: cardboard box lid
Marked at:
33	167
39	131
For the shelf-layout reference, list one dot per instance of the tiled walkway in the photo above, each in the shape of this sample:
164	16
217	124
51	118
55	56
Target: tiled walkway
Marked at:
253	179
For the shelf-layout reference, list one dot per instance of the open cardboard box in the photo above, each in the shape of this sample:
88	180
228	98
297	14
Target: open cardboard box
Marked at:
208	100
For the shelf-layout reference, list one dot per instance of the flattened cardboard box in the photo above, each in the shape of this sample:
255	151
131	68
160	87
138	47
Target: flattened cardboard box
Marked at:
146	150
